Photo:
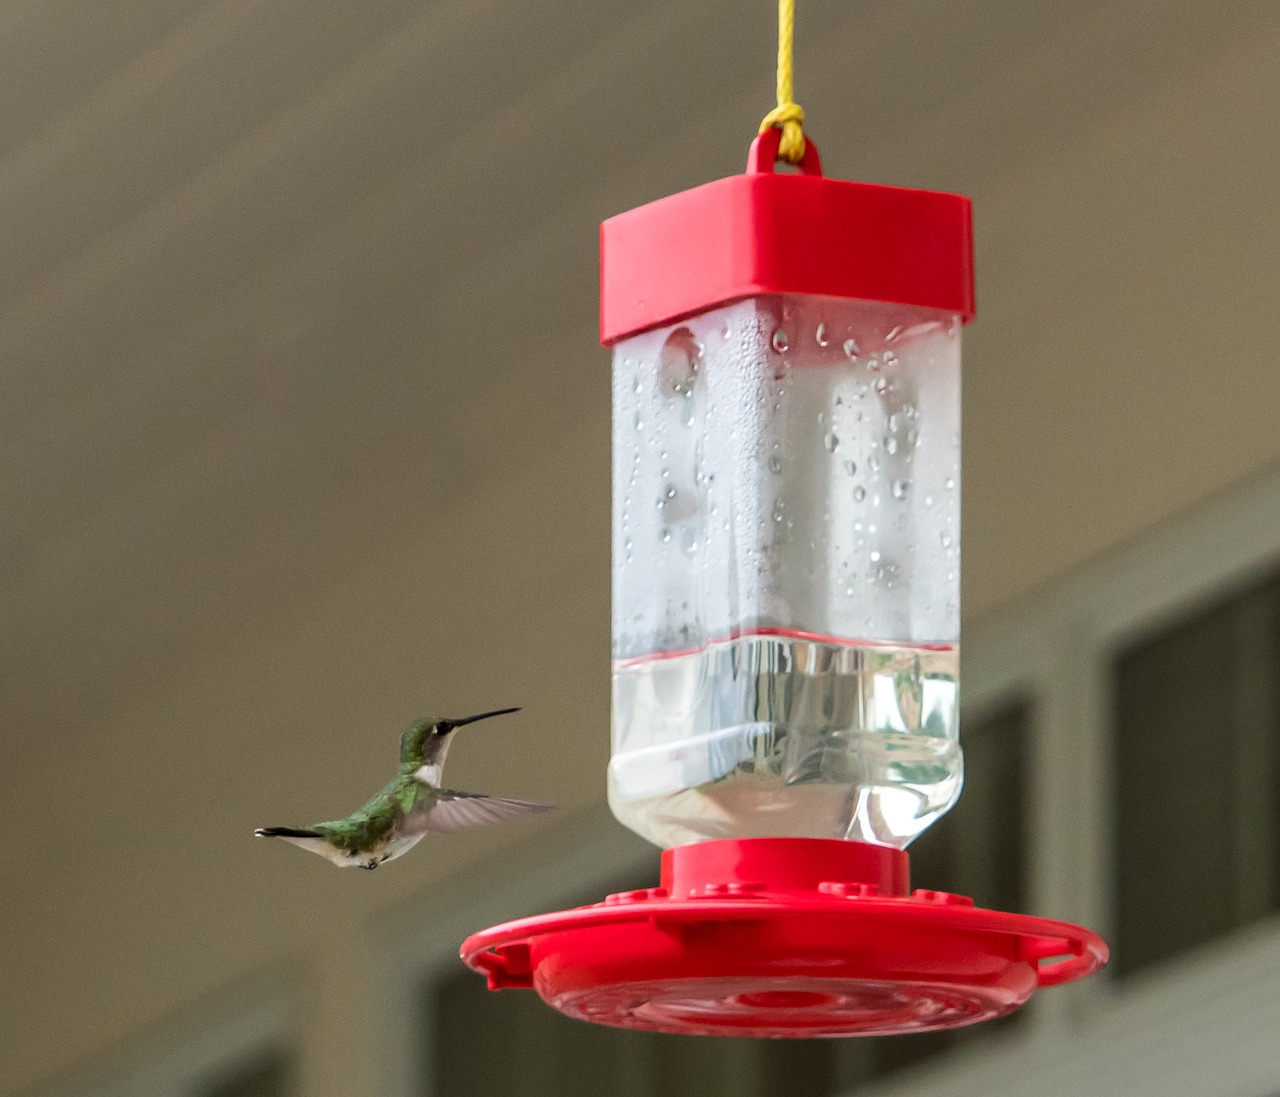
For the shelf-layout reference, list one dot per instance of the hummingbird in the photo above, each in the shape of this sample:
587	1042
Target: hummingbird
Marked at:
411	804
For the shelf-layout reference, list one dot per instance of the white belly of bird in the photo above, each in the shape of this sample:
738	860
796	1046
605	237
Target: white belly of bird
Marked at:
379	854
398	847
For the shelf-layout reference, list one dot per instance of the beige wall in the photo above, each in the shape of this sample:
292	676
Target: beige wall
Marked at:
405	505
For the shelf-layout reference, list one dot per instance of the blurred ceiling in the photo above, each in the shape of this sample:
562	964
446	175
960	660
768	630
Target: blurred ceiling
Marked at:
280	278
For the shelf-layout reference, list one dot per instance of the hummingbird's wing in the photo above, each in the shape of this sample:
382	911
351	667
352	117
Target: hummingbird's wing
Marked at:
457	810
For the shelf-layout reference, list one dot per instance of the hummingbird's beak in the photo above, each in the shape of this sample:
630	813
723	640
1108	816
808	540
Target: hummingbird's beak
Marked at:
482	716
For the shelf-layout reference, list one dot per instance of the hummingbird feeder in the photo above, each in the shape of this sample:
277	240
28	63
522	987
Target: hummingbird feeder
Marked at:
786	512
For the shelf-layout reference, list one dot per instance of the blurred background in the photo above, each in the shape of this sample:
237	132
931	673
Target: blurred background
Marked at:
305	432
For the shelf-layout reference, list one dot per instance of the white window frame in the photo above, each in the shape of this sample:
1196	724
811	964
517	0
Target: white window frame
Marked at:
197	1047
1204	1023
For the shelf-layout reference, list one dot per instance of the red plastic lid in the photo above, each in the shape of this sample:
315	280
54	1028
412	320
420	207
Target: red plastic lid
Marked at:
765	232
784	937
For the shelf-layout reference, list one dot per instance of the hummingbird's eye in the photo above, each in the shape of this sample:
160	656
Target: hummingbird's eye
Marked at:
443	727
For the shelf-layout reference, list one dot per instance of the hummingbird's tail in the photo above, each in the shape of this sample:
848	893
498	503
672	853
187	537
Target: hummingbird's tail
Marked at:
286	832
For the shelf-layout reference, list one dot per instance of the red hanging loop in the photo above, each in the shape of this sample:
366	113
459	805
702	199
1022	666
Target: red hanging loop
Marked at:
763	155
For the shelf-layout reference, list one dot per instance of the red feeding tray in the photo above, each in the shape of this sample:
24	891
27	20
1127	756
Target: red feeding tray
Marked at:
784	937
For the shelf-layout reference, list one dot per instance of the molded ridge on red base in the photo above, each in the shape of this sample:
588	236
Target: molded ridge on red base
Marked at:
784	937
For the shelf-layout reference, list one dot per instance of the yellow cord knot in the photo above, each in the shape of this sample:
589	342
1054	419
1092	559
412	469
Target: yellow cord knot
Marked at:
788	114
790	118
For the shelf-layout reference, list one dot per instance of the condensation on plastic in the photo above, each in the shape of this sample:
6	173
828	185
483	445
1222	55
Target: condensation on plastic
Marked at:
787	463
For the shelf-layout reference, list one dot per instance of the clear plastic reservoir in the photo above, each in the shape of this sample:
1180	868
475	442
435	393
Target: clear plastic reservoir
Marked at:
786	550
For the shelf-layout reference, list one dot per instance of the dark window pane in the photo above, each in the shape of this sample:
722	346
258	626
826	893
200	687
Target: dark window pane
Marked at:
976	849
1195	768
269	1075
544	1052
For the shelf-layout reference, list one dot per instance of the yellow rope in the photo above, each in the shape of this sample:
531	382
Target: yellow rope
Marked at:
788	114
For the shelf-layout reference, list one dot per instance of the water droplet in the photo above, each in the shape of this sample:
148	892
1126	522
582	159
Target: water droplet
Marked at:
913	437
779	511
873	463
781	343
873	364
670	493
839	401
946	539
851	468
775	465
899	489
928	500
679	361
639	422
851	349
890	359
849	589
949	483
821	335
875	556
859	494
892	423
726	329
637	386
909	410
890	444
689	541
831	441
897	330
666	536
881	386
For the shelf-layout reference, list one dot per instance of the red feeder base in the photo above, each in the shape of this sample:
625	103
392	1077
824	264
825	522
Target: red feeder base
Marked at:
784	937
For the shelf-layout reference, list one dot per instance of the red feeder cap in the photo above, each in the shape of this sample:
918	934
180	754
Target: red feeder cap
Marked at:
765	232
784	937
